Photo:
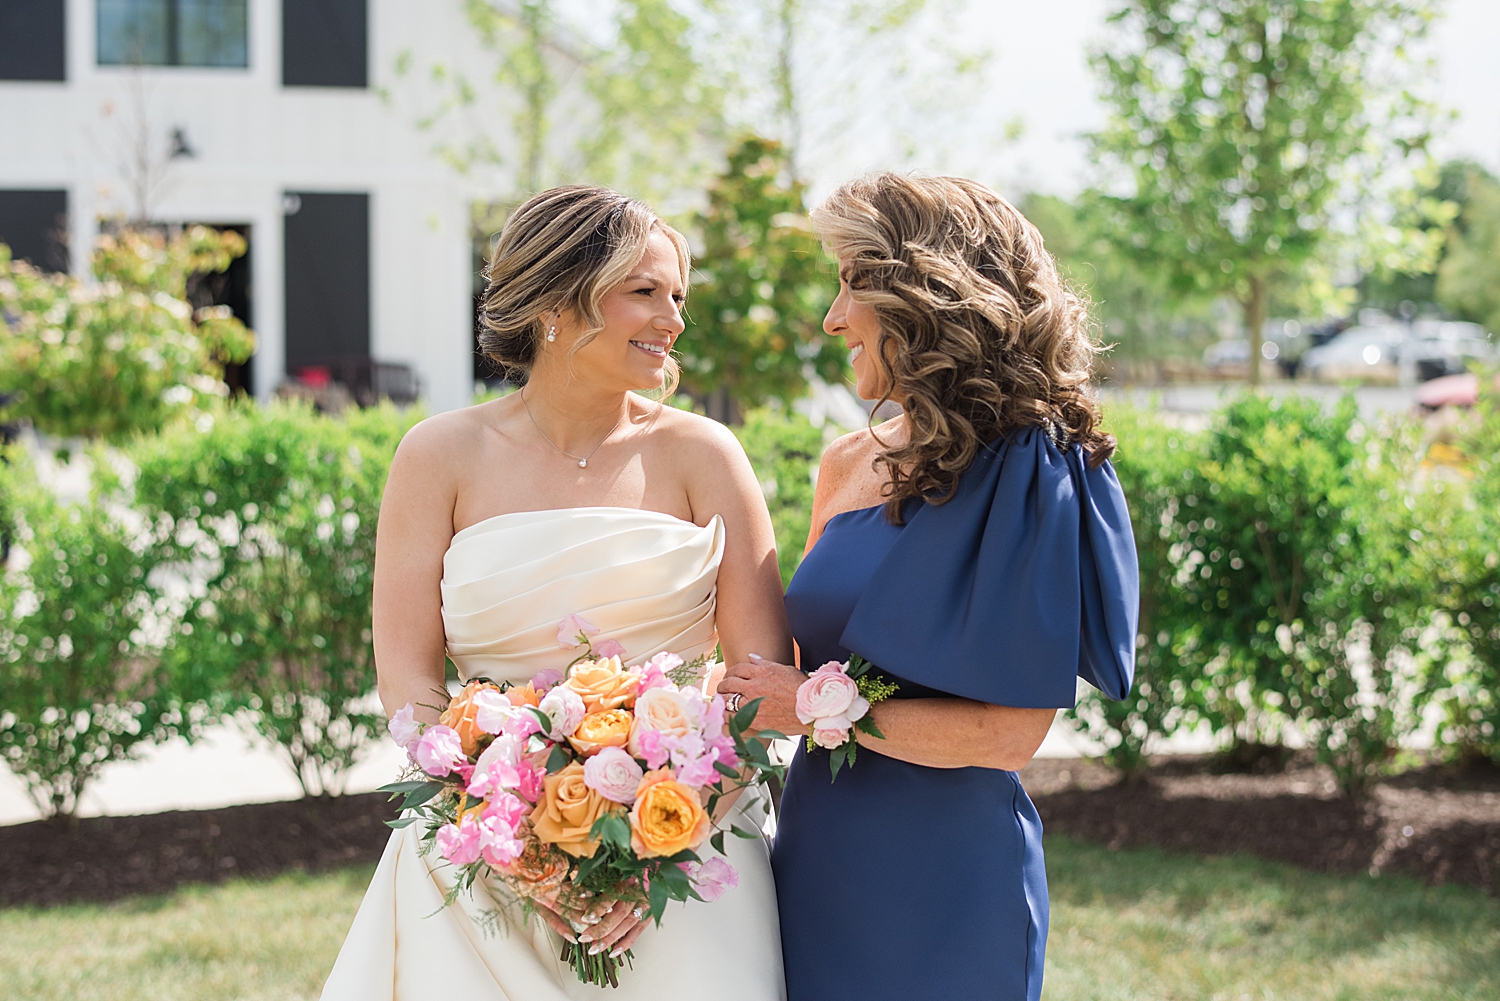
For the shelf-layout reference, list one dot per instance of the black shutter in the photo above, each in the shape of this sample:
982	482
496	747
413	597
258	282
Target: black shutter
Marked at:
33	40
324	43
327	279
34	224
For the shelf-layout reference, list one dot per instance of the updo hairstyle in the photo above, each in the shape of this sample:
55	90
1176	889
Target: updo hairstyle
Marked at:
562	250
980	334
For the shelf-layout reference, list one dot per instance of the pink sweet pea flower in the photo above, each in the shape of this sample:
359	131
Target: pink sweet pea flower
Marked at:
609	648
498	844
652	747
713	719
543	680
530	781
507	808
571	628
459	843
713	877
439	751
403	726
491	709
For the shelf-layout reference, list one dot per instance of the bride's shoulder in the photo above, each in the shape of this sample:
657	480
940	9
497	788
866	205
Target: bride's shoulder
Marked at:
443	439
694	438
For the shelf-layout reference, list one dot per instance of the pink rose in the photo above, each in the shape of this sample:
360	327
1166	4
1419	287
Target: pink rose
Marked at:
613	774
713	877
404	727
827	692
830	737
459	843
439	751
572	631
566	710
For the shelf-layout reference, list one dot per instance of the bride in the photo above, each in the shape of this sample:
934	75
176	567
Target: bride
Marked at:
573	496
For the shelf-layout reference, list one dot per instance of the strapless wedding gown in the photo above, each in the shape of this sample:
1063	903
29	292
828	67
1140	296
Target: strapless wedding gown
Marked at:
648	581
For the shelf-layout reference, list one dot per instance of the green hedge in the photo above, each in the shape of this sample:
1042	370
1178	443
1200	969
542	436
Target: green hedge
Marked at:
1302	572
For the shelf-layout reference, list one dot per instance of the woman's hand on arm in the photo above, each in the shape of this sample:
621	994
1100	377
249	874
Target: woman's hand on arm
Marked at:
416	526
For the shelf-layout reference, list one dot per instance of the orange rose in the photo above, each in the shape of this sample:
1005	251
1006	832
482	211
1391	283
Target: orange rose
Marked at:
460	715
610	728
523	695
667	816
603	684
567	810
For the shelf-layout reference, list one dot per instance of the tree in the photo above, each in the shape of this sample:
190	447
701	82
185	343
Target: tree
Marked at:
760	289
1468	281
123	354
1250	130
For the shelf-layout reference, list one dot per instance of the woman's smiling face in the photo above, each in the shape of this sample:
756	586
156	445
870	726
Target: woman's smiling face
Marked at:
642	320
859	326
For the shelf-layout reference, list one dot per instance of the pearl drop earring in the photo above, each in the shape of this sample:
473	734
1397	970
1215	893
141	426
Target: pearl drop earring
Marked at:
552	333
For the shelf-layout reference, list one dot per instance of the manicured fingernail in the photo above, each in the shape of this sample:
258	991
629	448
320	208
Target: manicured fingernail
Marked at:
756	656
585	938
617	954
594	950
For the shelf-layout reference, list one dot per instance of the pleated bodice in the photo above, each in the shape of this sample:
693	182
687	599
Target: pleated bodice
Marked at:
647	580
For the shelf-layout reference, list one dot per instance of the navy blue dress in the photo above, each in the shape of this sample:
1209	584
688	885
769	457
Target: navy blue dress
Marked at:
899	881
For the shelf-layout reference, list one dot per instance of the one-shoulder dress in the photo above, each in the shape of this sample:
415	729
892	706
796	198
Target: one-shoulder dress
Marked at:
648	581
900	881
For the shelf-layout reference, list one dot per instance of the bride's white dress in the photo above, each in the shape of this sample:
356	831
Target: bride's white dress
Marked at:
647	580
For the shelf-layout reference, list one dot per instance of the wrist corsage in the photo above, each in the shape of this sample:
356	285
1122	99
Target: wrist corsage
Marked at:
836	699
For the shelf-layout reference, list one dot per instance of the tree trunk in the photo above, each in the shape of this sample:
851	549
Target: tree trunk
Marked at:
1255	324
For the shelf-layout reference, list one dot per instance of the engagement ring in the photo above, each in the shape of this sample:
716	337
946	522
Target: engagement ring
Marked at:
732	703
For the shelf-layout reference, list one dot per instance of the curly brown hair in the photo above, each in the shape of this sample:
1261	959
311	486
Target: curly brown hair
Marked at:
981	335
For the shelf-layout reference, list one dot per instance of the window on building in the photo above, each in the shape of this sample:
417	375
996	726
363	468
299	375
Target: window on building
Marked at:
32	40
34	224
324	43
327	247
173	33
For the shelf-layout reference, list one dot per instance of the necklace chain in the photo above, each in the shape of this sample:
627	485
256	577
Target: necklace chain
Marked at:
582	460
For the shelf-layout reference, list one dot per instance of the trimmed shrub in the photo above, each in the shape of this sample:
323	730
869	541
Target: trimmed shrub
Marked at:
82	682
267	516
784	449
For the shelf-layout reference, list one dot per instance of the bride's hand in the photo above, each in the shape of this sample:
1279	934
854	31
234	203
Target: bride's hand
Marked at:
775	685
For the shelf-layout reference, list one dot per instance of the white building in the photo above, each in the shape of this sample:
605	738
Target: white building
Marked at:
273	116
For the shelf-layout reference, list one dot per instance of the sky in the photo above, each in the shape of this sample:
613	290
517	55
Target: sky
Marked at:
1040	75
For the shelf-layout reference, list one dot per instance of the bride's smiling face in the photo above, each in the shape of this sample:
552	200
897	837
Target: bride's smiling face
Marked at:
859	326
642	320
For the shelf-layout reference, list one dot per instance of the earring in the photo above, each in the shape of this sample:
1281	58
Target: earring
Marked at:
552	333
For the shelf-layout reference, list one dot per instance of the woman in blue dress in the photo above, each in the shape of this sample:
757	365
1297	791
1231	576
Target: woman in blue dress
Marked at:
977	551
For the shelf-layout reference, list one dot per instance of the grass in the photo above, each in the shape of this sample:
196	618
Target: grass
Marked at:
1126	926
1151	926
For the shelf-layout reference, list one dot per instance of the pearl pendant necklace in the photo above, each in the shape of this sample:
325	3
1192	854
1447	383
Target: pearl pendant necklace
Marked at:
583	460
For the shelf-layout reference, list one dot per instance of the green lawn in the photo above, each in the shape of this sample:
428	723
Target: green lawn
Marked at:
1126	926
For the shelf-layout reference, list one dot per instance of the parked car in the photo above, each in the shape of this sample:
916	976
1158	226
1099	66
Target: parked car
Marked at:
1360	354
1440	349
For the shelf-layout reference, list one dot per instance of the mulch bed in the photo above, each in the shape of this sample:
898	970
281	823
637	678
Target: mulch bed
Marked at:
107	858
1436	824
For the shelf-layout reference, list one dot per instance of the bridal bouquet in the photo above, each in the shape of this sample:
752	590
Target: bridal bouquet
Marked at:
585	788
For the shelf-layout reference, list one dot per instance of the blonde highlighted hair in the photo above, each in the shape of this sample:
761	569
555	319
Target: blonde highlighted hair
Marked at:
981	335
561	250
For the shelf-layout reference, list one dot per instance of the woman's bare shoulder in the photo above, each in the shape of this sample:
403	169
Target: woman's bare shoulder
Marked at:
695	438
454	436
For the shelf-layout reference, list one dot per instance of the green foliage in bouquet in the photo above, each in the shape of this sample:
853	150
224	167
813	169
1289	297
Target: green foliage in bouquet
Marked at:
270	515
126	353
81	630
784	449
